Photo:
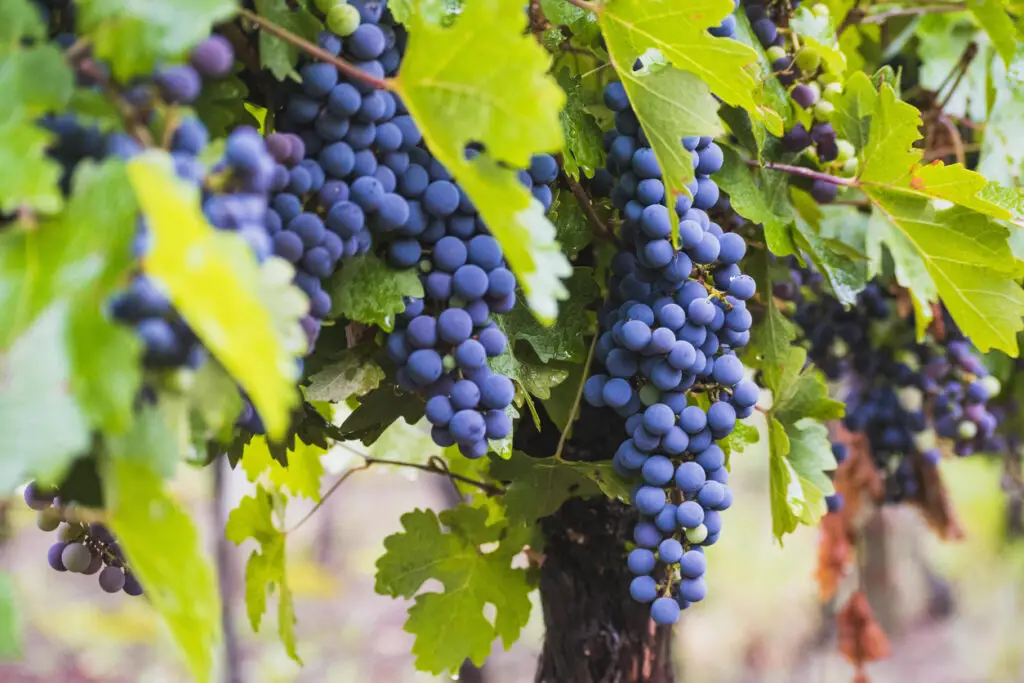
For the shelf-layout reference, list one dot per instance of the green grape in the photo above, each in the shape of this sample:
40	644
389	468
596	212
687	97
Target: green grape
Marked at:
823	110
992	384
448	362
48	519
76	557
808	59
820	10
846	150
775	52
649	394
849	168
697	534
69	533
832	91
343	19
326	6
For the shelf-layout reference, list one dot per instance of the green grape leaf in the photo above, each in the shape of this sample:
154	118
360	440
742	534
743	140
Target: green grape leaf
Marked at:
301	476
582	23
34	396
32	182
537	487
352	372
221	106
993	17
266	568
35	80
761	196
971	267
574	231
406	442
844	270
164	550
215	402
584	142
485	80
854	108
191	259
369	291
450	625
19	19
106	360
800	455
742	436
566	339
531	375
275	54
1009	198
133	37
817	33
10	622
379	409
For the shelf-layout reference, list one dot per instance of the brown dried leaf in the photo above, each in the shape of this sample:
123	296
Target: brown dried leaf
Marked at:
835	553
861	639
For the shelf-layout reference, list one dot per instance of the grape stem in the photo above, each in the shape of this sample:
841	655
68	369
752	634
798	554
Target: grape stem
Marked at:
315	50
600	229
883	17
805	172
583	4
576	401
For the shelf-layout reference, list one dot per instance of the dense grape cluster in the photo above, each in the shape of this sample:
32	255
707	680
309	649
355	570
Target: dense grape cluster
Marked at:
443	341
82	548
903	394
812	89
670	330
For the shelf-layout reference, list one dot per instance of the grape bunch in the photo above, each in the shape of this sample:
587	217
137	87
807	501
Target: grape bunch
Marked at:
812	87
443	341
669	333
82	548
906	397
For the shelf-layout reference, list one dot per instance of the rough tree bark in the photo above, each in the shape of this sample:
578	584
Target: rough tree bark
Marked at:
594	633
227	577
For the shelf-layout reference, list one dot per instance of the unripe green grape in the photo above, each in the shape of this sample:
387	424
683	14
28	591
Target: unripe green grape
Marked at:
448	363
832	91
697	534
820	10
343	19
850	167
775	52
426	266
992	384
823	110
846	150
649	395
326	6
48	519
808	59
69	533
76	557
967	430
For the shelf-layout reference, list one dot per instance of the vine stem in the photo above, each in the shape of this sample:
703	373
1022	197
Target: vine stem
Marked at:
600	229
583	4
576	401
316	51
805	172
327	494
883	17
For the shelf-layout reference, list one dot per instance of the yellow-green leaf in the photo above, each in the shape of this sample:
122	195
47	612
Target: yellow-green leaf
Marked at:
166	553
214	281
485	80
302	475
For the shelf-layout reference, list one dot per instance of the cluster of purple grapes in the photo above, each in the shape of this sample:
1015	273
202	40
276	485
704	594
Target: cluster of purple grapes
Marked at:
670	329
811	87
900	396
82	548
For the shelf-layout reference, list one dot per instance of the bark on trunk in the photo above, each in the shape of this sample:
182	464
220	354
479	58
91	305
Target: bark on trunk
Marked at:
594	632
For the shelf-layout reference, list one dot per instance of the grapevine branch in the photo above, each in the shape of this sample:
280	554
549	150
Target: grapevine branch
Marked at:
315	50
805	172
600	229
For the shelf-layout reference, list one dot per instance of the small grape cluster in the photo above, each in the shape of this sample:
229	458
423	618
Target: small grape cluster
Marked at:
811	87
83	548
903	395
670	329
